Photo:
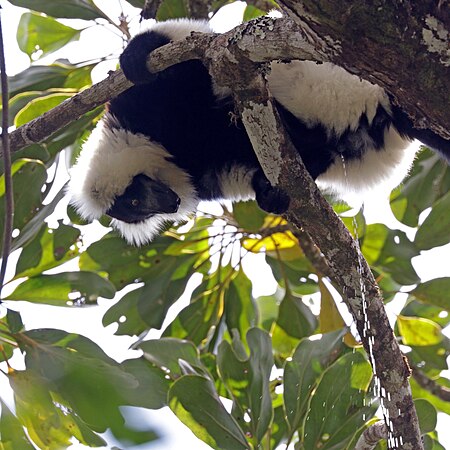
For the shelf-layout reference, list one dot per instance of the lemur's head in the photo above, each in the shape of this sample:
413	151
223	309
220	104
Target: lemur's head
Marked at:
131	179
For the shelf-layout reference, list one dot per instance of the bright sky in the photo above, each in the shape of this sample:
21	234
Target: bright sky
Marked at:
87	321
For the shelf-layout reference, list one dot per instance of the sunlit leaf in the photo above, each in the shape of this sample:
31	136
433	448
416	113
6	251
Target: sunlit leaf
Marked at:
196	403
417	308
58	289
50	248
418	331
37	107
12	434
36	33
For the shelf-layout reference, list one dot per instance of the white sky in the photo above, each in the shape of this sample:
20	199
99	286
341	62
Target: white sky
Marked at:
87	321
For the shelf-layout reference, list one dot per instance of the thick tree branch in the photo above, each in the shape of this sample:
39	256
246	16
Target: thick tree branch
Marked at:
41	128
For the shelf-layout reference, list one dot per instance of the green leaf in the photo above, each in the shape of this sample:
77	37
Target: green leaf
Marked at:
240	308
417	331
431	359
390	251
438	403
415	308
14	321
21	100
295	318
79	287
82	377
166	353
172	9
200	318
68	9
336	410
126	264
37	107
147	306
428	181
434	231
247	378
43	35
427	415
48	424
301	373
32	228
28	179
435	292
12	434
249	215
196	403
40	78
50	248
252	13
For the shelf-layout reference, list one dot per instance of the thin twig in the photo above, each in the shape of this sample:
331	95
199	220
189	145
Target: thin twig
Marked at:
9	209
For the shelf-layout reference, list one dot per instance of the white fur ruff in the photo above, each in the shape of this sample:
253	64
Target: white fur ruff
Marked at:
236	183
325	93
109	160
387	166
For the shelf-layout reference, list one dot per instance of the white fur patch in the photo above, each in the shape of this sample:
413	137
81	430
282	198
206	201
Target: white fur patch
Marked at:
110	158
178	29
386	166
236	183
325	93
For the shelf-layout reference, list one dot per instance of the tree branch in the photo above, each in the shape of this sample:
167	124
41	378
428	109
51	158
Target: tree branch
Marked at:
430	385
42	128
371	436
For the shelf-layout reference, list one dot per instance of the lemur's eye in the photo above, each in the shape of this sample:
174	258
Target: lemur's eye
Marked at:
134	202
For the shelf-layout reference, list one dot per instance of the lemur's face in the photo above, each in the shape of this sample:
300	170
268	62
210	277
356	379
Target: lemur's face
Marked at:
142	199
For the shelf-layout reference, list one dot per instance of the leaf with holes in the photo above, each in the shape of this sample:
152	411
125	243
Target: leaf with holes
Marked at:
40	35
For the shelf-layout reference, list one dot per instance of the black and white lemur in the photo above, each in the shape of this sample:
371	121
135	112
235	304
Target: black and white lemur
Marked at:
168	142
